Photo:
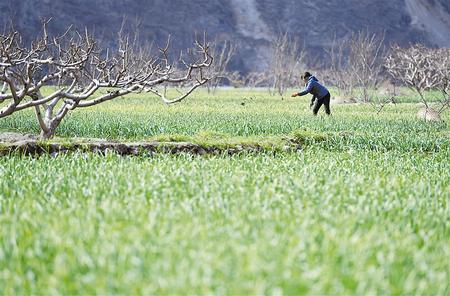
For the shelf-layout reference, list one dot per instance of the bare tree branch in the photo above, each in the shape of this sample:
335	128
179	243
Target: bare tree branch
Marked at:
422	69
77	67
287	59
223	53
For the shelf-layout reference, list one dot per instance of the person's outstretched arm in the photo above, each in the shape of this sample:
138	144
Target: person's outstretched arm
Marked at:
307	90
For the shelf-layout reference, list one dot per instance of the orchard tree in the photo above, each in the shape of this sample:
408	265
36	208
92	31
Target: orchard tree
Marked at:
422	69
75	67
366	62
223	53
356	65
286	60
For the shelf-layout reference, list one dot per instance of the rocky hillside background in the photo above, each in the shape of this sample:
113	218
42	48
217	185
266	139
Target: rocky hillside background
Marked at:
251	24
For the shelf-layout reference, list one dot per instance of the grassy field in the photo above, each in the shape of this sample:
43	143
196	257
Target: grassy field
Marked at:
365	210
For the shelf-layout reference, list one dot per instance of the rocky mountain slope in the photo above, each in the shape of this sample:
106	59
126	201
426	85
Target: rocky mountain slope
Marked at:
251	24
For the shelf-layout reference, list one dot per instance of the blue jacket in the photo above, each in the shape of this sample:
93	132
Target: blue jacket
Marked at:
315	88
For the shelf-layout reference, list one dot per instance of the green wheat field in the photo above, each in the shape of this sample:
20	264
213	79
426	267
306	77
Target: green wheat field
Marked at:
363	208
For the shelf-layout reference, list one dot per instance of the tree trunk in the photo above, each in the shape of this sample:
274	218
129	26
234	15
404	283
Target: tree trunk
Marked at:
50	133
50	130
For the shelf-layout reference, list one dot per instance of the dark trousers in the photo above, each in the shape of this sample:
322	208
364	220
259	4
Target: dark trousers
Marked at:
323	101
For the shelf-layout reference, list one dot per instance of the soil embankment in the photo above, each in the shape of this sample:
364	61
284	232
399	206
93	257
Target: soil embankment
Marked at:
11	143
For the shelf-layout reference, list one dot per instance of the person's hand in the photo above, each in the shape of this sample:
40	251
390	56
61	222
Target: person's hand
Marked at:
294	95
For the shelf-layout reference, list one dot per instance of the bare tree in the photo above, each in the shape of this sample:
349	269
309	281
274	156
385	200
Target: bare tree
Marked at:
422	69
287	58
339	73
236	79
77	68
443	56
357	65
366	62
256	79
222	53
252	79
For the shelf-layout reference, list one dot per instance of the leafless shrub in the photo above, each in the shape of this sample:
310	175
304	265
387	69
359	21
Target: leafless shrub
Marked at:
287	58
222	53
422	69
357	66
366	62
256	79
339	73
76	68
237	80
443	56
252	79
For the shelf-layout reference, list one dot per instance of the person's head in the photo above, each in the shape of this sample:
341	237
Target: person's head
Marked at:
305	77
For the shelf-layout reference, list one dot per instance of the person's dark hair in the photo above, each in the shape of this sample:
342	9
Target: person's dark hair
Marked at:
306	75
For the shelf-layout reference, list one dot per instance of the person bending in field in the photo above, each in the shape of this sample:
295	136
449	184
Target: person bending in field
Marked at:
321	95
